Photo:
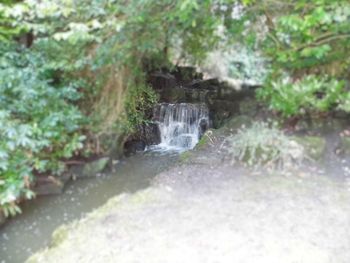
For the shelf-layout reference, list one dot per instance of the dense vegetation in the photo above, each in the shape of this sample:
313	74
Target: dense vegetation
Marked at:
306	43
73	72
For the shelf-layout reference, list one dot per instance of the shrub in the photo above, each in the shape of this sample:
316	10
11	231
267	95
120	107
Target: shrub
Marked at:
261	145
308	41
39	124
345	102
307	95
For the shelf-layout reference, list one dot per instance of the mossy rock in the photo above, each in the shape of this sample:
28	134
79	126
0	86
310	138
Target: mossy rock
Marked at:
237	123
204	141
314	146
93	168
345	145
248	107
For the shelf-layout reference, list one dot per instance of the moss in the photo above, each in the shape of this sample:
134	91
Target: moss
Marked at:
142	197
107	207
95	167
185	157
202	142
59	235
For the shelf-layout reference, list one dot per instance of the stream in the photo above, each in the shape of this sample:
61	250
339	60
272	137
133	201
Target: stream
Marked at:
32	230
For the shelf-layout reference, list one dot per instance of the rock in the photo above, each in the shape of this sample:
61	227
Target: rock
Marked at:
207	84
320	124
134	146
50	185
248	106
203	126
2	218
148	133
173	95
160	81
221	110
314	146
195	95
238	122
345	144
151	134
186	75
93	168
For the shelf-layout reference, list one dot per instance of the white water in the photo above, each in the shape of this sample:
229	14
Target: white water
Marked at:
180	125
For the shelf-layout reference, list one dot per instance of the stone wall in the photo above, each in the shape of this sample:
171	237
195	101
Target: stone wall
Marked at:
185	85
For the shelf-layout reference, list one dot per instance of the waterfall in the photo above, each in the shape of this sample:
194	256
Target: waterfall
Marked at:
181	125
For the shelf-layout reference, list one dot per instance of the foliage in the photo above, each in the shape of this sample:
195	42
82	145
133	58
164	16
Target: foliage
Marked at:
248	65
311	93
306	40
260	145
111	41
136	109
39	124
84	74
237	63
345	102
7	29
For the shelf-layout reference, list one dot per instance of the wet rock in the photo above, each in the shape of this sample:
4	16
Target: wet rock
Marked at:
173	95
160	81
134	146
2	218
181	76
151	134
50	185
314	146
203	126
146	134
93	168
186	75
207	84
195	95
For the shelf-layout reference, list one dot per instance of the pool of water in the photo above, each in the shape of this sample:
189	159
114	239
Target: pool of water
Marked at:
31	230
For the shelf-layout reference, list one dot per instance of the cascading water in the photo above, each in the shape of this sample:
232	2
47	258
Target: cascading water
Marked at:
181	125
